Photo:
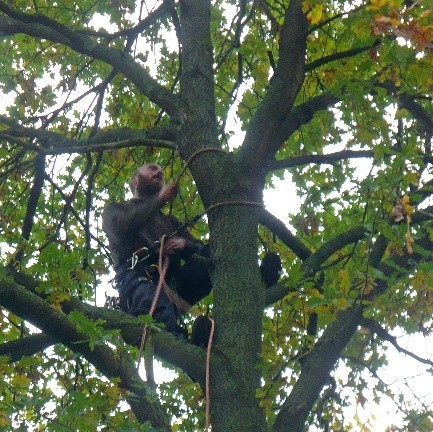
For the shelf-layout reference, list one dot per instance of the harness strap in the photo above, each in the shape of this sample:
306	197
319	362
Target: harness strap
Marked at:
147	253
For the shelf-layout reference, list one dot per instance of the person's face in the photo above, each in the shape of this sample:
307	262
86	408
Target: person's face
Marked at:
149	179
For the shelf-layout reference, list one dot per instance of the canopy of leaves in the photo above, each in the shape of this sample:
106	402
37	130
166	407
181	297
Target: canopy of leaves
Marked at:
335	94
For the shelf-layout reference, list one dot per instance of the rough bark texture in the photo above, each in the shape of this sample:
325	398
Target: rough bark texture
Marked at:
239	303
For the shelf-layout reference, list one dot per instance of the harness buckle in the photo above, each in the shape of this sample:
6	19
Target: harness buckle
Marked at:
134	261
149	251
152	271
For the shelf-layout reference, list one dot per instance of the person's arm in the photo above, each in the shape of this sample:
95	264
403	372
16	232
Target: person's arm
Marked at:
140	212
126	217
120	218
188	244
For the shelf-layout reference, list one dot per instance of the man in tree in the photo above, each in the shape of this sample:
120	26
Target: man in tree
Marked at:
134	230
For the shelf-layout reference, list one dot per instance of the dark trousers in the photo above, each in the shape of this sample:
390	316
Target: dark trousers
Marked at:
137	291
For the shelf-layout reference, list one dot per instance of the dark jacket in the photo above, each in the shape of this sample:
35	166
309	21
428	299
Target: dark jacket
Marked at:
139	223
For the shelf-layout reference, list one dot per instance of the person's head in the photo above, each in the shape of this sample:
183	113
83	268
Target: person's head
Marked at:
147	180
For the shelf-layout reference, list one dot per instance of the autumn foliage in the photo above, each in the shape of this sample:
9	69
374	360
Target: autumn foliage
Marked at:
333	96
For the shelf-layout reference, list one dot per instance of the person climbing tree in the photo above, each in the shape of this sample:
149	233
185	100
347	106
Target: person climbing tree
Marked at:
134	230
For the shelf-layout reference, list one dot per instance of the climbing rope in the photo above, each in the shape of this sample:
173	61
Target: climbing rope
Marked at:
163	263
209	347
193	156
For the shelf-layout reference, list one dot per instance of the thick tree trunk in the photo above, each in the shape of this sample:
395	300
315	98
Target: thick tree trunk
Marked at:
238	291
239	302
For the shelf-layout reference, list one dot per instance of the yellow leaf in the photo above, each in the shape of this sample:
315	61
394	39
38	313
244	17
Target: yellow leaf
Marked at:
20	380
58	298
315	15
315	293
341	304
376	4
344	283
412	178
409	242
368	290
405	201
4	421
307	5
321	309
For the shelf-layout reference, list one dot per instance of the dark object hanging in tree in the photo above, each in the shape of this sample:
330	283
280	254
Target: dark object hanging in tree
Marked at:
201	331
270	268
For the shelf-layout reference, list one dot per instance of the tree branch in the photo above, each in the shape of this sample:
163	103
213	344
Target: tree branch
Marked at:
187	357
316	367
57	325
314	261
319	362
52	143
197	77
35	193
113	146
280	290
417	110
386	336
145	23
408	102
260	141
339	55
329	158
40	26
301	115
27	346
284	234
